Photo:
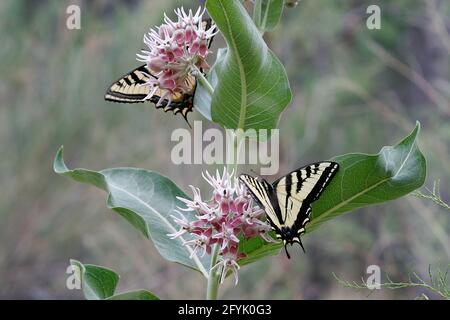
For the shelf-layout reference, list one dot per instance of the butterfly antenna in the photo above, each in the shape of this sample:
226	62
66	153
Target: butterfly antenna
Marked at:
287	253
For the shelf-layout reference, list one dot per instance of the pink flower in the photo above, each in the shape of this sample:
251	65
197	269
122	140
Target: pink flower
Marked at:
225	219
250	215
202	242
259	228
223	190
195	204
227	235
176	50
223	186
230	256
213	215
195	227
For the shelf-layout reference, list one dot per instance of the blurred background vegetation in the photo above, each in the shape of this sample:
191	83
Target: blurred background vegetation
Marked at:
355	90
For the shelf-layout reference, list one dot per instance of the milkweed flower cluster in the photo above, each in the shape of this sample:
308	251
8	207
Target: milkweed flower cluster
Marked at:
228	216
173	49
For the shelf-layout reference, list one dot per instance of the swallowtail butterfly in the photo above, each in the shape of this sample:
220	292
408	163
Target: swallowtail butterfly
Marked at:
288	200
129	88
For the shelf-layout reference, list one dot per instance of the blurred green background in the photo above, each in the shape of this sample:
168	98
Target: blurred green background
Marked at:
355	90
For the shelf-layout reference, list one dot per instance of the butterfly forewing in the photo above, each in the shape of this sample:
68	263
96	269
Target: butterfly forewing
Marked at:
297	190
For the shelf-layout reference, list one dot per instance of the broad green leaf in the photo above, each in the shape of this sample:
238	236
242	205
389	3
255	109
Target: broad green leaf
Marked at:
145	199
134	295
364	180
97	282
252	88
267	14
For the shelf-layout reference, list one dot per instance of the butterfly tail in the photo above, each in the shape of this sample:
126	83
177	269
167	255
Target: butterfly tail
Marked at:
185	119
301	245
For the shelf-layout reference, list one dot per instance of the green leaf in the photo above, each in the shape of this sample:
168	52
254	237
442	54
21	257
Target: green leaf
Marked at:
267	14
97	282
145	199
257	248
252	88
134	295
364	180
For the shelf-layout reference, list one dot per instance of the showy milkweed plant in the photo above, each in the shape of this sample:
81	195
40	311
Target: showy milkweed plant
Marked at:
246	87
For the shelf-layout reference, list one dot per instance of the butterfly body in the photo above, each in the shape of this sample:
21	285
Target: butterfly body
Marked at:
288	200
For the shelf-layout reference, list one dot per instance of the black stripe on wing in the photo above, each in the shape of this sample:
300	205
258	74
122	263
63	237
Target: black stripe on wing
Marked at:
263	188
119	91
324	180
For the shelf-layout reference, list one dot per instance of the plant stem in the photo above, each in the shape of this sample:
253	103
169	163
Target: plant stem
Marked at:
212	289
202	79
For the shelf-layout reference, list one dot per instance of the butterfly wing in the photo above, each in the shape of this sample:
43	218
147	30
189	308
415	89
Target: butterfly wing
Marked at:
299	189
130	89
264	195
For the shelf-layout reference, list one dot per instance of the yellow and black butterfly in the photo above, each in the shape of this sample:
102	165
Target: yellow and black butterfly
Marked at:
130	89
288	200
